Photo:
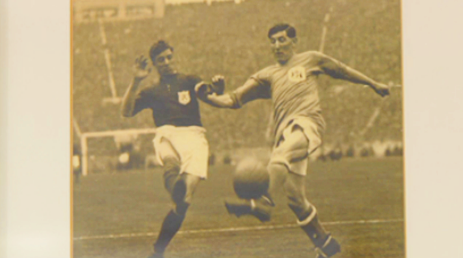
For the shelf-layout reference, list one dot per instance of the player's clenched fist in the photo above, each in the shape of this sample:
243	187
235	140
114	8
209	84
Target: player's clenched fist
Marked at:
218	84
382	89
141	68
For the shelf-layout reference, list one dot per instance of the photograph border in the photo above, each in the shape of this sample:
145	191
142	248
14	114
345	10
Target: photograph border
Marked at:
432	132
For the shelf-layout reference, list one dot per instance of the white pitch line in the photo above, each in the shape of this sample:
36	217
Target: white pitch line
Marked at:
218	230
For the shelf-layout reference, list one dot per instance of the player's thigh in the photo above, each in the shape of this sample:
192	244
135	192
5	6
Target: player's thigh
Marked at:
298	144
294	145
292	150
166	150
194	156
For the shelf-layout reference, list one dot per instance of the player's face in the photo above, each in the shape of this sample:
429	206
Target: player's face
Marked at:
282	46
164	63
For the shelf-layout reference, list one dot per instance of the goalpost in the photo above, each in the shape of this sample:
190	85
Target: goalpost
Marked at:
85	136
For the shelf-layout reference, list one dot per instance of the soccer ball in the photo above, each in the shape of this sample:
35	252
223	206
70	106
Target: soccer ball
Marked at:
250	179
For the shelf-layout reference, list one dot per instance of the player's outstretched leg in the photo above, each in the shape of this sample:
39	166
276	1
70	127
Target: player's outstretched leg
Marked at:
306	213
182	192
173	221
170	226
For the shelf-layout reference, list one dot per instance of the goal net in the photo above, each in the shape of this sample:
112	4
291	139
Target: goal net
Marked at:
108	151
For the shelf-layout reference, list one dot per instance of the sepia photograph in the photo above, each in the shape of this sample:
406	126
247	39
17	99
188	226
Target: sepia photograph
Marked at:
237	128
247	128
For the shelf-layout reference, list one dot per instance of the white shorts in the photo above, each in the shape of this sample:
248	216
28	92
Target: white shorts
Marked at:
284	153
191	145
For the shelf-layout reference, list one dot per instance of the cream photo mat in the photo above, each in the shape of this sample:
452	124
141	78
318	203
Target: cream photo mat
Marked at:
35	203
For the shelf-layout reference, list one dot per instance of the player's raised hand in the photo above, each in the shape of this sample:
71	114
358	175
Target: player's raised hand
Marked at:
218	84
141	68
382	89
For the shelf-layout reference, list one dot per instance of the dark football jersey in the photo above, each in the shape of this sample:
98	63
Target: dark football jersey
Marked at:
173	101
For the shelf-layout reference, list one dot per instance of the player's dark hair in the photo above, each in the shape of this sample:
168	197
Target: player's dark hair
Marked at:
290	30
159	47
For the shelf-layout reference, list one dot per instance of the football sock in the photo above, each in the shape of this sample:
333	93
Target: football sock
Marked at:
329	248
170	226
310	224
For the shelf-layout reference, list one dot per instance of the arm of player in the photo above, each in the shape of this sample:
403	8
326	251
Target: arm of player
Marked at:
212	94
249	91
338	70
221	101
141	71
203	89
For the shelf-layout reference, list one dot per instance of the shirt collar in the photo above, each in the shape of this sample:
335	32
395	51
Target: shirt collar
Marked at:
169	78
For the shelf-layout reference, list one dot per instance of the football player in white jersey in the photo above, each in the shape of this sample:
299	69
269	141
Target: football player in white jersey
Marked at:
297	125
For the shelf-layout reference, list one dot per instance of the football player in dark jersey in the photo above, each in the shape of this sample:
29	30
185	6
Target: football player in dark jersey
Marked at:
180	144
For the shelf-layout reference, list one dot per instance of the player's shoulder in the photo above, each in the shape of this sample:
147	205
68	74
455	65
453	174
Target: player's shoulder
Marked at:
312	54
263	74
271	67
310	59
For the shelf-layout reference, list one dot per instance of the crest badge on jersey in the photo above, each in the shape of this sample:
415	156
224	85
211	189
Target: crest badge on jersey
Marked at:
184	97
297	74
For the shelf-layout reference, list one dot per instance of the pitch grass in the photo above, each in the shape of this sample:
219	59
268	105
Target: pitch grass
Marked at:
136	202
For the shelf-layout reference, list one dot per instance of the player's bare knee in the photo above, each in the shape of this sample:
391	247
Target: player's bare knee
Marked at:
297	201
171	171
188	196
191	183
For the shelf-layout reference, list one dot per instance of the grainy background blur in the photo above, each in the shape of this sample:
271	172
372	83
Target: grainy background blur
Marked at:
230	39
